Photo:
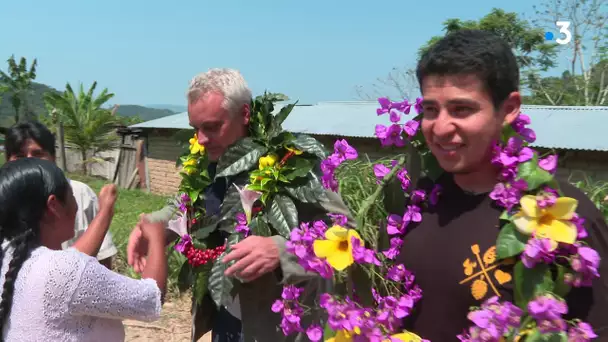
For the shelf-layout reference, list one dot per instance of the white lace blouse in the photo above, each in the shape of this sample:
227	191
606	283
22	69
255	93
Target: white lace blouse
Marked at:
68	296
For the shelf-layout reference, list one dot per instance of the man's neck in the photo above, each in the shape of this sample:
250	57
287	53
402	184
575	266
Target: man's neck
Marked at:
481	181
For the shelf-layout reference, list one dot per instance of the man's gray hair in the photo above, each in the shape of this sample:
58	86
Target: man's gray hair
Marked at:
228	82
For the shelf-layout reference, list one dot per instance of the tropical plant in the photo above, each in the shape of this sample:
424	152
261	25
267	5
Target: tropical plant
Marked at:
87	125
18	83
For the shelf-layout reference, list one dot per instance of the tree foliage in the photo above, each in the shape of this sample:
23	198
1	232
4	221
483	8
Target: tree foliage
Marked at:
17	82
87	125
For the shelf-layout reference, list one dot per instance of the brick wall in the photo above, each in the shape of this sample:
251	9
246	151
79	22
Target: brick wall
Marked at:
163	151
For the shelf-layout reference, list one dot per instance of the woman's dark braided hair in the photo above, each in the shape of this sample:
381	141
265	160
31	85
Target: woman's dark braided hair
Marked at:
25	186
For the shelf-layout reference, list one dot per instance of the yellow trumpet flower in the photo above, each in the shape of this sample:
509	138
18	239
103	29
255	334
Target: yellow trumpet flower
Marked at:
341	336
195	147
407	337
338	248
268	161
294	150
552	222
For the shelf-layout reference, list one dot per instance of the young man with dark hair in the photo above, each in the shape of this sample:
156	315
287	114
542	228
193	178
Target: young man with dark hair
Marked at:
33	139
470	84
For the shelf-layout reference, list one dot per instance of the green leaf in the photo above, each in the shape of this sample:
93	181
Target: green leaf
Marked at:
185	277
282	139
533	174
299	168
283	215
259	226
431	165
328	332
240	157
505	216
310	191
561	288
203	232
537	336
531	282
510	242
220	285
310	145
201	284
283	114
196	243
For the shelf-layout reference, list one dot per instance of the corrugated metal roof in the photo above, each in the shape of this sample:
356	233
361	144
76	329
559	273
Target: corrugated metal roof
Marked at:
579	128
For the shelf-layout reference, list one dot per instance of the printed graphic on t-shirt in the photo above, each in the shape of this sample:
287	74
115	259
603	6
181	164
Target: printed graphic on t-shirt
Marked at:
482	273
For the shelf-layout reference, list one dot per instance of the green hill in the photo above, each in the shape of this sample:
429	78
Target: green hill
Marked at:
35	105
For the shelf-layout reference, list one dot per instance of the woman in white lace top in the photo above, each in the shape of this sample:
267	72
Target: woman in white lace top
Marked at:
52	295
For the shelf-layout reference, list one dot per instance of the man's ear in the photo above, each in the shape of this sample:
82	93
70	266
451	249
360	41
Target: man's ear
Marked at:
246	114
511	107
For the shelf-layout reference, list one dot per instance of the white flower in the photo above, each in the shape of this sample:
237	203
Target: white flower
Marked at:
248	198
179	225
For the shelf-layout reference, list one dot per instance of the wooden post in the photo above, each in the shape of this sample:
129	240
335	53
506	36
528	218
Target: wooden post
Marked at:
61	143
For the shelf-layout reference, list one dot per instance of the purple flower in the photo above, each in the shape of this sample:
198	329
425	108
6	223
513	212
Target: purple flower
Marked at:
548	163
184	243
585	264
434	196
337	219
404	179
418	105
390	136
579	222
241	224
184	202
519	125
412	214
380	171
547	311
300	244
394	249
403	106
314	333
515	152
395	225
400	274
395	116
411	127
492	321
385	106
581	332
537	251
508	195
344	151
546	198
363	255
418	196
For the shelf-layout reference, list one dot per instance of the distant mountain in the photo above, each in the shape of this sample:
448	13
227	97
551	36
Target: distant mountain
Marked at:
145	113
35	105
174	108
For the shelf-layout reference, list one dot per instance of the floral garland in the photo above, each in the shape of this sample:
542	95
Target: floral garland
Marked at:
541	229
268	173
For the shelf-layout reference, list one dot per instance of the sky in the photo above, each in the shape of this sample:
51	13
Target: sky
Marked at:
146	52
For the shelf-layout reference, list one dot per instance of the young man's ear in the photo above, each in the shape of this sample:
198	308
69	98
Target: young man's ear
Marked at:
511	107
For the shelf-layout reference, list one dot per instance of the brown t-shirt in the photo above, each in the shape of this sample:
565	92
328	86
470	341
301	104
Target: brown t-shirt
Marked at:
452	253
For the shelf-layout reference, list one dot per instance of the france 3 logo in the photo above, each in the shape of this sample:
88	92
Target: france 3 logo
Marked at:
564	30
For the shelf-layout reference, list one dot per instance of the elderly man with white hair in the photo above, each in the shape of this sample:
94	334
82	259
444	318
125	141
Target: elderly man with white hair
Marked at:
219	111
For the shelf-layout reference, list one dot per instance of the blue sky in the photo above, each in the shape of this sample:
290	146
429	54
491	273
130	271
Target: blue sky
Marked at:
147	51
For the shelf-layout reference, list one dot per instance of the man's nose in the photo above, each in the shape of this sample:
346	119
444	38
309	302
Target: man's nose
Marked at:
443	127
203	139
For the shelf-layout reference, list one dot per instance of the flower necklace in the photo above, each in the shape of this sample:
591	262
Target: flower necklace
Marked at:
541	228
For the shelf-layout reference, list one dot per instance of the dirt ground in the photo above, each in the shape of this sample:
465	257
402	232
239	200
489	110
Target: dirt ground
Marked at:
174	325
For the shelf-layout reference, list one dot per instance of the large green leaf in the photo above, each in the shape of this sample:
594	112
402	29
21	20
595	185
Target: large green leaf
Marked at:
310	191
533	174
510	242
283	215
231	204
531	282
310	145
220	286
200	287
297	167
185	277
536	336
259	226
240	157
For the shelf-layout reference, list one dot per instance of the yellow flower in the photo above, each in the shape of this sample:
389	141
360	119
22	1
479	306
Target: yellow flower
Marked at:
341	336
190	162
195	147
189	166
294	150
407	337
268	161
338	248
551	222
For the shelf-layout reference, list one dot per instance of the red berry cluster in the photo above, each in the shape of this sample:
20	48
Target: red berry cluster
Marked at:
198	257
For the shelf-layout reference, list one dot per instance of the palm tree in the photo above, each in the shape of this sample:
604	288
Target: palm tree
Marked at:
18	83
87	125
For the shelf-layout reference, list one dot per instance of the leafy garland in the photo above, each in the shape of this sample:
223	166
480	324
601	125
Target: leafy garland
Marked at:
541	231
268	174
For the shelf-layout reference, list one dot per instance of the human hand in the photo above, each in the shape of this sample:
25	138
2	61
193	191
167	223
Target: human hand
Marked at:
107	197
137	247
256	256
